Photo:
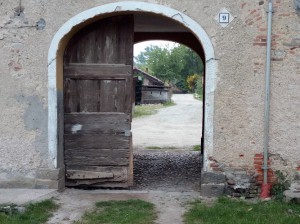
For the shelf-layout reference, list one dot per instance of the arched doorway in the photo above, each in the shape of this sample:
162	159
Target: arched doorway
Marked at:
172	25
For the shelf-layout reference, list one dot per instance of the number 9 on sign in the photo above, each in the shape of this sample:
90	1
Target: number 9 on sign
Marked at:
223	17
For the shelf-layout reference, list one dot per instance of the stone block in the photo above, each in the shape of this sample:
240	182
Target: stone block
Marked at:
297	176
212	178
292	196
50	174
50	184
212	190
17	183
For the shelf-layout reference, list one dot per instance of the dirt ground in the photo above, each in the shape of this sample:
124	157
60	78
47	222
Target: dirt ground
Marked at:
175	177
170	206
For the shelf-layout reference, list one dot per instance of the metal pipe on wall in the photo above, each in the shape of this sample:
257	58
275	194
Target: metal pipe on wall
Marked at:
267	92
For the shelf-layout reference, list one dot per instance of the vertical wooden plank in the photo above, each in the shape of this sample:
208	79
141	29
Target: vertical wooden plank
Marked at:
71	102
114	40
126	30
120	95
128	95
108	92
89	95
130	167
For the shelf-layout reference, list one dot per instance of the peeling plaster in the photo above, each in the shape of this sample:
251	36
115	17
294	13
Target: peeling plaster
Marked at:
76	128
35	119
131	6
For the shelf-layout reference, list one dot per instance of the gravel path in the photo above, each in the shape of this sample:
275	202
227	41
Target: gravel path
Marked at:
167	170
178	126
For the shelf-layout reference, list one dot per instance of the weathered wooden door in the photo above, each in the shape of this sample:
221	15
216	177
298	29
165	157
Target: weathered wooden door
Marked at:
98	104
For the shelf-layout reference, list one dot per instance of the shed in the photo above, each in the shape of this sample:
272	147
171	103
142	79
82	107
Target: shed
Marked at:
150	89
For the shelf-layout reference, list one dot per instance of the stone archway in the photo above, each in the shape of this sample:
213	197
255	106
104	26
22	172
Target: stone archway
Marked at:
55	68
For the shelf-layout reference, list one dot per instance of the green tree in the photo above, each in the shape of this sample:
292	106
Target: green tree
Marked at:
172	65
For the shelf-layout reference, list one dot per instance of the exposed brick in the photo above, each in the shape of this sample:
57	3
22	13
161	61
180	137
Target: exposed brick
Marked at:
214	165
259	178
211	158
259	156
260	44
15	66
257	167
258	162
259	182
272	179
284	14
250	23
261	37
277	59
217	169
259	171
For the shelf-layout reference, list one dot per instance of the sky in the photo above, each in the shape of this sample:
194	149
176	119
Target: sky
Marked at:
138	48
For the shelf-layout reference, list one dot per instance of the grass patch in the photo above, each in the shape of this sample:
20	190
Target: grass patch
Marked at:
153	147
169	147
197	147
169	103
198	97
121	212
163	148
34	214
149	109
228	211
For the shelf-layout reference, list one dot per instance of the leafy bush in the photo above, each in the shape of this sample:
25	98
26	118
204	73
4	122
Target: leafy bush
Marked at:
199	88
192	81
281	185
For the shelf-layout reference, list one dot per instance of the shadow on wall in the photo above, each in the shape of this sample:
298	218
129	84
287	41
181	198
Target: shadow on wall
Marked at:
297	6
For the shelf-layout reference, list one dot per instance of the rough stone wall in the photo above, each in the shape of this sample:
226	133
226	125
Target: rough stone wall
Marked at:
25	37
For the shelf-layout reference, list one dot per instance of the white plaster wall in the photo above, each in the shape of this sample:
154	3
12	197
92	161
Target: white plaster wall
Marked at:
155	95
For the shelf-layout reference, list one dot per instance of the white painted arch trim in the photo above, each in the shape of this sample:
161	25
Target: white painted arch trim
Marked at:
211	65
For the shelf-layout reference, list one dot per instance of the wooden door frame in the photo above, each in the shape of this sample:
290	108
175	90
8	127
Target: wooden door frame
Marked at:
55	70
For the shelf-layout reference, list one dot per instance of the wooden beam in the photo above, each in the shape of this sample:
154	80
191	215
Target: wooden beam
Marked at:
80	174
88	123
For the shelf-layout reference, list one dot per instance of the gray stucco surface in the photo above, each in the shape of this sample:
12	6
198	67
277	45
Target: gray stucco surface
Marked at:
240	52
